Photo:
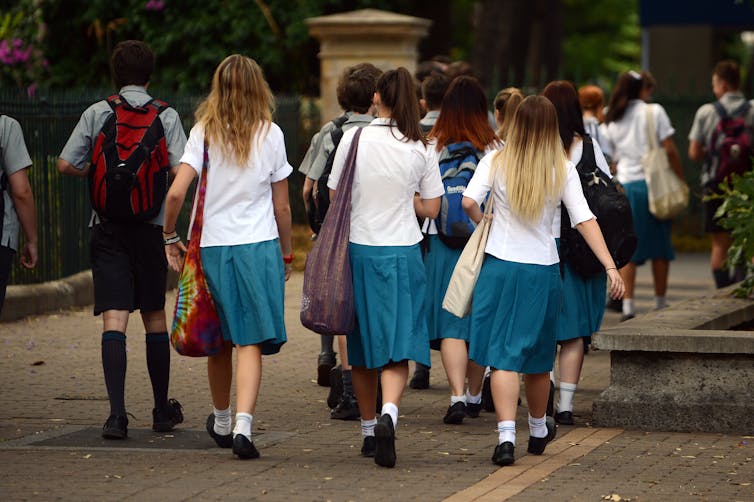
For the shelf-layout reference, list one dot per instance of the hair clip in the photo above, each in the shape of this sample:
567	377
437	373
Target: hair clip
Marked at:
634	75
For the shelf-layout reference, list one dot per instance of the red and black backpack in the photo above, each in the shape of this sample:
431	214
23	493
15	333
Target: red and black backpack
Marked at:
128	178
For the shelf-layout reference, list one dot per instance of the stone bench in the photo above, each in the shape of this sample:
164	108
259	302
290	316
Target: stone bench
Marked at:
684	368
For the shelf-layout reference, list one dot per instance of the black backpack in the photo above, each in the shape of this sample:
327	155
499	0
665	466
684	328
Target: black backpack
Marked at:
322	195
613	211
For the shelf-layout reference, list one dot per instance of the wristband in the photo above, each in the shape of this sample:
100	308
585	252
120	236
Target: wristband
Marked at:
168	233
172	240
288	259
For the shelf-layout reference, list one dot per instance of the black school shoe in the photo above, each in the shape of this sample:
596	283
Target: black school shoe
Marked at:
325	362
564	418
335	376
368	446
537	445
244	448
116	427
384	448
347	408
165	420
487	403
455	413
473	409
225	441
420	380
504	454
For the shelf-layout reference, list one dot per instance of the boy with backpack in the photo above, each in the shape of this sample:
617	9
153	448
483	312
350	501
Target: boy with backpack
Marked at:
355	92
128	145
16	202
721	136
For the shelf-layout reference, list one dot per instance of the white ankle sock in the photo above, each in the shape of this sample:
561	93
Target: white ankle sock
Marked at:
243	425
552	376
537	427
506	431
565	398
628	306
367	427
392	410
222	421
457	399
473	399
660	302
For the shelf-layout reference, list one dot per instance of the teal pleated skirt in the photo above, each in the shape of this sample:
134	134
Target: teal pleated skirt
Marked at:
582	306
653	235
439	262
514	315
247	283
389	284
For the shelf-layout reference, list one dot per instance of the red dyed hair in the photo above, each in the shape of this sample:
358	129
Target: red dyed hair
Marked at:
464	116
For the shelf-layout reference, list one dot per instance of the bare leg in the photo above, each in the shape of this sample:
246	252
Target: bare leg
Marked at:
660	271
220	375
570	360
628	274
393	379
475	376
537	390
721	241
248	377
343	348
455	358
505	391
365	386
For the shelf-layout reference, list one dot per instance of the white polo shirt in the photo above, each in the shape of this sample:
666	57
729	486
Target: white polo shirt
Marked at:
238	202
517	240
389	171
627	138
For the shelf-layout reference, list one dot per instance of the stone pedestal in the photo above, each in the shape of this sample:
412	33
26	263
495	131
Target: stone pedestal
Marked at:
681	369
385	39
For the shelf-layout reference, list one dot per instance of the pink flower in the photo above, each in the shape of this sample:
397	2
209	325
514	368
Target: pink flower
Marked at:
31	91
155	5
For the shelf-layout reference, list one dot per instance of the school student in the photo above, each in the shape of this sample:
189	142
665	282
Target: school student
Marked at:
517	297
396	179
583	303
246	249
128	259
505	104
462	136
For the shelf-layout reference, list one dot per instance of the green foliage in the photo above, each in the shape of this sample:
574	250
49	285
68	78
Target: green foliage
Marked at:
737	215
602	38
22	62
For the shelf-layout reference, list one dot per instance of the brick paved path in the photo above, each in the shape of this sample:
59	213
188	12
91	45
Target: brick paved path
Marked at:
53	403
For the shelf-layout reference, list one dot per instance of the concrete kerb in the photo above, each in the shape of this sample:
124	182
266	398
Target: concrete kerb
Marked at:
32	299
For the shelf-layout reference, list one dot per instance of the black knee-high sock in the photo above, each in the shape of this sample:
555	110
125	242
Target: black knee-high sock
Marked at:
326	344
158	365
722	278
347	383
114	367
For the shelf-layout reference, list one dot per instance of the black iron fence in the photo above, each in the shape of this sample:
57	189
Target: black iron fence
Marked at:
62	202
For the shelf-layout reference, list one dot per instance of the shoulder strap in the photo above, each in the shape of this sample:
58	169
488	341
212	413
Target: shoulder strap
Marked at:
115	101
741	110
651	132
339	121
587	152
720	109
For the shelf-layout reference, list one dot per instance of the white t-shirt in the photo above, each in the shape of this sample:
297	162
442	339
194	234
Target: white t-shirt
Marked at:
627	138
514	239
389	170
238	202
577	149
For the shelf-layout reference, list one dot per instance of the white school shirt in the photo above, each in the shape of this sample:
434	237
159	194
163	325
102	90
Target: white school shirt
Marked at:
627	138
577	150
238	201
517	240
389	171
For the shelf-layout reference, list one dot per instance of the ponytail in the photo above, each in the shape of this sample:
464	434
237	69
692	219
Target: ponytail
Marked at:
398	93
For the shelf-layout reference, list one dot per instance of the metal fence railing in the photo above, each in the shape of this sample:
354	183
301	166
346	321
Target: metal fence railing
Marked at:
62	202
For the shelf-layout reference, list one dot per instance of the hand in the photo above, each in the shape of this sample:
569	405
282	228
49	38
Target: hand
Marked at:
29	256
173	254
288	271
617	288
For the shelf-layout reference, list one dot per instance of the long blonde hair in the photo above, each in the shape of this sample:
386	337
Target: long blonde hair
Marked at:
506	103
533	162
239	107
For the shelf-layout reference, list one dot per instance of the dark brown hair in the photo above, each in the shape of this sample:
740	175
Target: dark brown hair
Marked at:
463	116
564	96
627	87
434	88
728	71
356	87
398	94
132	63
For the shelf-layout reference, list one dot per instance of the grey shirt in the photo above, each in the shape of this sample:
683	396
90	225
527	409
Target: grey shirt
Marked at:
15	157
78	150
707	118
326	145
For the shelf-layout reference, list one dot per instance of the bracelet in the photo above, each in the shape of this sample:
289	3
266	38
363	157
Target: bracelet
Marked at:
172	240
288	259
168	233
610	268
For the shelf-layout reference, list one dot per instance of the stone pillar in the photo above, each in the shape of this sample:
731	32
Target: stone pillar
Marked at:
385	39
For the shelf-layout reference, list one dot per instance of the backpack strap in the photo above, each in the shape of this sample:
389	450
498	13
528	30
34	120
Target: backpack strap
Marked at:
587	151
720	109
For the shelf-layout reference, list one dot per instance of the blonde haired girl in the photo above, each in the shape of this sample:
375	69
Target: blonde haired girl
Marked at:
517	297
246	236
506	102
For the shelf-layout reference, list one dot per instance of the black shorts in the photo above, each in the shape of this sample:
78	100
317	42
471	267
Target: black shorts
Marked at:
709	208
129	267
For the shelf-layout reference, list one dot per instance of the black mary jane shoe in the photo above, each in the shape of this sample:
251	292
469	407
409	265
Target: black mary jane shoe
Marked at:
225	441
537	445
564	418
504	454
244	448
368	447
